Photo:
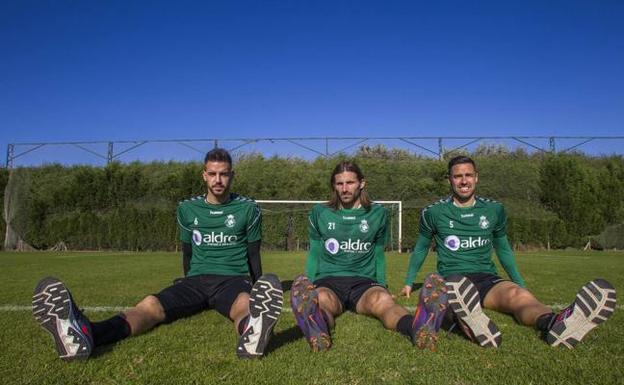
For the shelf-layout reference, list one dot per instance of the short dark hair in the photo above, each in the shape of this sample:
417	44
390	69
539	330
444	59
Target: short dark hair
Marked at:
460	159
218	155
347	166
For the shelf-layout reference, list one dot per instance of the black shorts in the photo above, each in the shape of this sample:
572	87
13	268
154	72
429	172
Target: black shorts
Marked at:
191	295
349	290
484	282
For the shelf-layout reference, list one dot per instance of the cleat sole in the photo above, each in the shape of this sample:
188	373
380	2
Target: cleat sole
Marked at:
463	298
594	304
265	307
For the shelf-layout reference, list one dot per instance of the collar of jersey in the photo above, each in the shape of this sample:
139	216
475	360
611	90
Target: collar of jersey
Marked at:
464	207
352	209
230	198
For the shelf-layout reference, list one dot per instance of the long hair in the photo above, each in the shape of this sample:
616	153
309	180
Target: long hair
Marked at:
347	166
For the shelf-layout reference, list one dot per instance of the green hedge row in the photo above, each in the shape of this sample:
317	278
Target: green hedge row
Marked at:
557	201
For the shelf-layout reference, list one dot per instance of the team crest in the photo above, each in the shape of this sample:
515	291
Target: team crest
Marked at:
230	221
364	226
483	222
195	221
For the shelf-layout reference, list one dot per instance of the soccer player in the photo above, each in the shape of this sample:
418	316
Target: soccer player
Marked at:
220	233
466	229
345	269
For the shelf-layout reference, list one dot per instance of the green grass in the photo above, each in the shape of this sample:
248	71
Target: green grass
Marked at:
200	349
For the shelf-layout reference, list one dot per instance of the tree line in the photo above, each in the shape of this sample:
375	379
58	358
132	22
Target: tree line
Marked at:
552	200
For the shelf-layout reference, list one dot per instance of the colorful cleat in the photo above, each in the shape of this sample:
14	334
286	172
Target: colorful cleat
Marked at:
594	304
265	306
464	300
432	305
304	303
55	310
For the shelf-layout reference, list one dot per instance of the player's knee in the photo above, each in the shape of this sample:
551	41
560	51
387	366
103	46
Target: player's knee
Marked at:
152	308
379	299
328	301
520	295
325	298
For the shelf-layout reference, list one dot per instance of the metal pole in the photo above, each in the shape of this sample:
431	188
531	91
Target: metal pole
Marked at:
9	158
551	143
440	149
111	153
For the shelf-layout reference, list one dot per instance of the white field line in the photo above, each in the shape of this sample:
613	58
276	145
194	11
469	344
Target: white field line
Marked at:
102	309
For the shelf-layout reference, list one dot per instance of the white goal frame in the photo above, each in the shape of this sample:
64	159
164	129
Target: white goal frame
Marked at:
398	203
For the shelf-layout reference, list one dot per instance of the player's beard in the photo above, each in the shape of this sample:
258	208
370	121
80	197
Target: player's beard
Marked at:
352	197
219	190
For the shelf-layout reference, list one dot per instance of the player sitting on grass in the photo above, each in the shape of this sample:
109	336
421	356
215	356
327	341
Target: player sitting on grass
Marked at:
346	269
466	229
220	233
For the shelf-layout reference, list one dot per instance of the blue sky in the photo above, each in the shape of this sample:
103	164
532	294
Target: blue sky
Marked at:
130	70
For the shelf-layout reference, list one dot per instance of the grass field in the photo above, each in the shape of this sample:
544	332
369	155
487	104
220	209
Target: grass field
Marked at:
200	349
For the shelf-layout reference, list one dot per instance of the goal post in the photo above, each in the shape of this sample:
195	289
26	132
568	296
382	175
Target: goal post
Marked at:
398	205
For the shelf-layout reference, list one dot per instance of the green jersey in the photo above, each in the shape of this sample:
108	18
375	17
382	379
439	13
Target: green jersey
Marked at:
464	235
351	242
219	233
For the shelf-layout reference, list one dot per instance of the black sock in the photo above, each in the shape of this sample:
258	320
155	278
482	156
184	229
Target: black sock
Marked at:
242	325
404	326
112	330
544	321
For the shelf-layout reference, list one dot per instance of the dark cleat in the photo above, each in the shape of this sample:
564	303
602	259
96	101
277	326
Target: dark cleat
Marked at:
432	305
54	309
265	306
304	303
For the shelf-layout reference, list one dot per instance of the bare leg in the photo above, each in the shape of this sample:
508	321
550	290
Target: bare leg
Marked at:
378	303
507	297
145	315
240	309
330	304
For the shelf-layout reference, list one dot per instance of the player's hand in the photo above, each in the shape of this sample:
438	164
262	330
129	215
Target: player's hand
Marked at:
406	291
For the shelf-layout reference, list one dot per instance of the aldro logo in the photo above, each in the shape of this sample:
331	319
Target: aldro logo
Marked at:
213	239
454	243
349	246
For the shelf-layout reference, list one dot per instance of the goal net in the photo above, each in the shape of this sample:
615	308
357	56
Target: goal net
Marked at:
285	224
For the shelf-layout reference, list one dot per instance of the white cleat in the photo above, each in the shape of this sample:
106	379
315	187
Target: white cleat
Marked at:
594	304
464	300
